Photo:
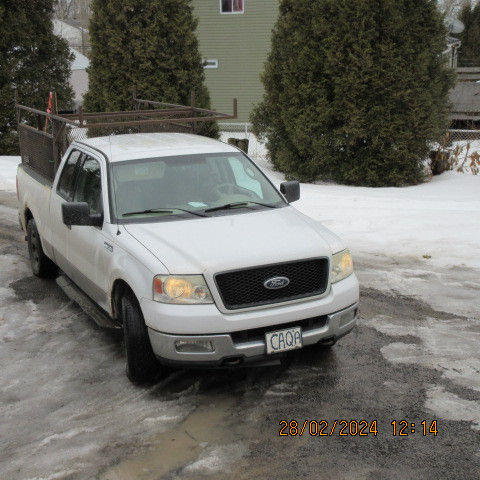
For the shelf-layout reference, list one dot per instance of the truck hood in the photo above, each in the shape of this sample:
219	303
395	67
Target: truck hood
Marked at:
210	245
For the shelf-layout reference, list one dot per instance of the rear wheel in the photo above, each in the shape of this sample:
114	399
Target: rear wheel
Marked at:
42	266
142	365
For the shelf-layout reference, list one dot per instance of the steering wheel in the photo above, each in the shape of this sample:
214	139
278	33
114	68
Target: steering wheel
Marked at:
229	188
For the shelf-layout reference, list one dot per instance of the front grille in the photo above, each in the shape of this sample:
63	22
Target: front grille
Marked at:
259	333
245	288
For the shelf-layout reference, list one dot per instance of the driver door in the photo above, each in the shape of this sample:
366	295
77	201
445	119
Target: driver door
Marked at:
63	192
85	244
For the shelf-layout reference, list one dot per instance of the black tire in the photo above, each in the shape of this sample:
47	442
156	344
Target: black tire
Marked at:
142	365
42	266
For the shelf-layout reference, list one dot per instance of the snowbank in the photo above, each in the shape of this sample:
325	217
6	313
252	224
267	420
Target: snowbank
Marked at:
8	172
438	222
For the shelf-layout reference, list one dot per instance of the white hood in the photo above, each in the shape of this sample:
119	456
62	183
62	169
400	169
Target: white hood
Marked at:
222	243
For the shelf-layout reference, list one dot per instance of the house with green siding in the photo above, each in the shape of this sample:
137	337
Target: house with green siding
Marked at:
234	37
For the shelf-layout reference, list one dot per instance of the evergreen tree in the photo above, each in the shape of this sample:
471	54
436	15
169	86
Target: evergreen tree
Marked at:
149	44
355	90
33	60
469	55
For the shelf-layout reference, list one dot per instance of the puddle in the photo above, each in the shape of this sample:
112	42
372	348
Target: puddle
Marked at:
207	441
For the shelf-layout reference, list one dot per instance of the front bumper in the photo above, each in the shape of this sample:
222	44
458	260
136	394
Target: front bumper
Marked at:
228	352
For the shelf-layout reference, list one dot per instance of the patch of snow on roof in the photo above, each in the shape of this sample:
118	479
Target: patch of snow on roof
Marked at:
66	31
81	62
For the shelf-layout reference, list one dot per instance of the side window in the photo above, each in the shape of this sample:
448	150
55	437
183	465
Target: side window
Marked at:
245	176
65	185
89	185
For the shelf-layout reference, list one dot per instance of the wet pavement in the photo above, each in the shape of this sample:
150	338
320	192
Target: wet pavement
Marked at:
69	411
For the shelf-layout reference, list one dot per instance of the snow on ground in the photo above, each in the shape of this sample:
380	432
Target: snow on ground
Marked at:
451	407
8	172
437	221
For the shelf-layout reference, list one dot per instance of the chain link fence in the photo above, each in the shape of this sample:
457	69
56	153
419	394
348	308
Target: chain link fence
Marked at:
458	150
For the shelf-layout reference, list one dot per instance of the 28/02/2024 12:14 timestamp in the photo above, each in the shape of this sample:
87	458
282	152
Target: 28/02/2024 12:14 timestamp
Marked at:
404	428
352	428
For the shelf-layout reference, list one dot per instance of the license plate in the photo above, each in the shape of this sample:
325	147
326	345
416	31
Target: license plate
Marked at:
284	340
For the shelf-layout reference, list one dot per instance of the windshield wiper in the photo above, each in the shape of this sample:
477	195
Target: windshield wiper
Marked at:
163	210
237	204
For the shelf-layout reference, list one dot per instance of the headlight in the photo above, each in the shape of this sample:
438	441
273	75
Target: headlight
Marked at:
187	289
342	266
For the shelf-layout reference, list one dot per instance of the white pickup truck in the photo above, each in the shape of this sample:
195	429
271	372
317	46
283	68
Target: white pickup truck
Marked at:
183	242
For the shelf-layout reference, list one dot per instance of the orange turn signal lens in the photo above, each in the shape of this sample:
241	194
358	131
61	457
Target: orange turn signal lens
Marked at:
158	285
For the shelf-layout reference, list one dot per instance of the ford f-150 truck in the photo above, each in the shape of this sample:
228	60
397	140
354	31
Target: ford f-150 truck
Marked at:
183	242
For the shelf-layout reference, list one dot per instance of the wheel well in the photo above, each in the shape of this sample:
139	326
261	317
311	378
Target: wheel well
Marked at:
28	216
119	290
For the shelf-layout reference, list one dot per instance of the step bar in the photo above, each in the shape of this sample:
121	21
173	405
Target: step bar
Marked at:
86	304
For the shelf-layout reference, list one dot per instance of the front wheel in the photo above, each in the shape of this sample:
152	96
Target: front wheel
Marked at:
42	266
142	366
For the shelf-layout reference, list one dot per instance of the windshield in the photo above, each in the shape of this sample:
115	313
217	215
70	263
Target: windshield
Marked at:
189	186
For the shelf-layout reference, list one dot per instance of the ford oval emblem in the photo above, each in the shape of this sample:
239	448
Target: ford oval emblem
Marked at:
276	282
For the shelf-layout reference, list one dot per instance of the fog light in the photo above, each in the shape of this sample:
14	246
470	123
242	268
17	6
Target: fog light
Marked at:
194	346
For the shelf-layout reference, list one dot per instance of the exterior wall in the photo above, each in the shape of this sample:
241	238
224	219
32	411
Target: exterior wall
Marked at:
240	42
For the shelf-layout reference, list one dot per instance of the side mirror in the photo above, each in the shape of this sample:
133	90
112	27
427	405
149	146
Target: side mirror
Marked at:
291	190
78	213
